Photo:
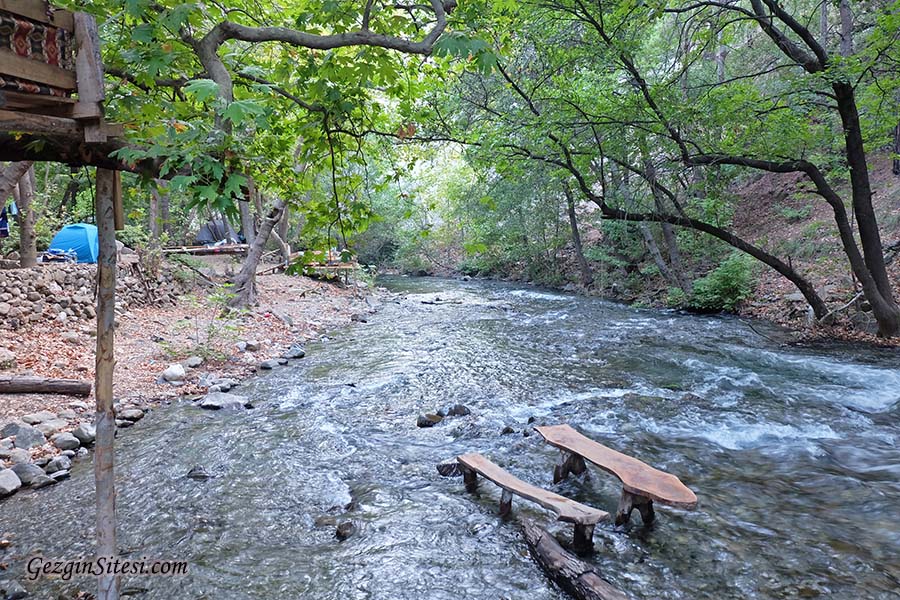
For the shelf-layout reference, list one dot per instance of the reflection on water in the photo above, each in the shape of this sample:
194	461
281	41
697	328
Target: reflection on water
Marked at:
793	454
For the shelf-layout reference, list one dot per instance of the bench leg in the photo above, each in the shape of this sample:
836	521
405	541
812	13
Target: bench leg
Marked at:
470	478
583	540
568	463
505	503
628	502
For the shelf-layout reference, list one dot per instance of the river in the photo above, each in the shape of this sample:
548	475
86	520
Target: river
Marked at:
793	454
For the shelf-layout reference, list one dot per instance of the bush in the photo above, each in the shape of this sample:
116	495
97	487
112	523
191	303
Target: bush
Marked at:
676	298
726	287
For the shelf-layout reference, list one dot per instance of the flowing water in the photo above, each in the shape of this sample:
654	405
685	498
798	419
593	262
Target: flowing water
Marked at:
794	455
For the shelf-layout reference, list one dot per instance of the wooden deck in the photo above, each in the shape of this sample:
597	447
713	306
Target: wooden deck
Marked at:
641	483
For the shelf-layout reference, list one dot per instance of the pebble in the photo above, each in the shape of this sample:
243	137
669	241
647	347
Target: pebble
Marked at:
85	433
65	441
428	420
199	473
27	472
192	362
294	352
131	414
174	373
42	481
39	417
223	401
51	427
60	475
268	365
13	590
59	463
252	346
26	435
9	482
344	530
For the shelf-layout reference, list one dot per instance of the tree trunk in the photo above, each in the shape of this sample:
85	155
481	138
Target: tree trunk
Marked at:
44	385
677	265
165	217
10	176
653	248
244	289
823	25
895	168
587	278
153	215
846	28
575	576
105	419
861	189
27	236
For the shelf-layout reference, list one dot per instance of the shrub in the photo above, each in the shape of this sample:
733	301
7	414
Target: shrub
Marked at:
676	298
725	287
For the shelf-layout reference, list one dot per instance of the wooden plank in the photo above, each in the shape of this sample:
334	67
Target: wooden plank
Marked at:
13	65
38	124
88	64
20	100
40	11
637	477
566	509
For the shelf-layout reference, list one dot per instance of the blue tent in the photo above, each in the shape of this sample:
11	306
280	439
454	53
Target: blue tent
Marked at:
80	238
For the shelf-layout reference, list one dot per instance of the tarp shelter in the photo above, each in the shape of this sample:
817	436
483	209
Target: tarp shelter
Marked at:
80	238
217	230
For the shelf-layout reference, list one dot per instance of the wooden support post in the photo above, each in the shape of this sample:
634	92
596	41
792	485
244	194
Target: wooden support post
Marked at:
105	420
89	74
583	539
628	502
118	206
505	503
568	463
470	478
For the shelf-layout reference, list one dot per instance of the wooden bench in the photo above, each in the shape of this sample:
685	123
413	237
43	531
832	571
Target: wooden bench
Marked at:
641	483
583	517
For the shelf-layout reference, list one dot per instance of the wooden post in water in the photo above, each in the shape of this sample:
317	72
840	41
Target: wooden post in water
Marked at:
105	420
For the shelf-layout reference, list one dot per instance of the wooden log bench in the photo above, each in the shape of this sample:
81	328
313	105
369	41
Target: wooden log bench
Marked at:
567	510
642	485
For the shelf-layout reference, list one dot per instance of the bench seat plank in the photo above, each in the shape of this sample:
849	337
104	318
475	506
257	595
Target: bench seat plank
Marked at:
637	477
567	509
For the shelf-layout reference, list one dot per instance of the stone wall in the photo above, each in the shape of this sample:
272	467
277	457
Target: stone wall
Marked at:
67	291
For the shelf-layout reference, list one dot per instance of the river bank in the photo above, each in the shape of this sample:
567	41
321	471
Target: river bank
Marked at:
162	353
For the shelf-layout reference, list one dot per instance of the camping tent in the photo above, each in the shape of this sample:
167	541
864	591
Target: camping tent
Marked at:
216	230
80	238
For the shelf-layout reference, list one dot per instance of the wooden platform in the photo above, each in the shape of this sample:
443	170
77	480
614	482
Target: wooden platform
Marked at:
583	517
641	483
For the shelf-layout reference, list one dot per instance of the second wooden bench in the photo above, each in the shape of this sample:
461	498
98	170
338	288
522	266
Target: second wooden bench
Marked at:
641	483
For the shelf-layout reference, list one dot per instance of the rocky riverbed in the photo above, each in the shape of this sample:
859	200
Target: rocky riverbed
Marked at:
162	353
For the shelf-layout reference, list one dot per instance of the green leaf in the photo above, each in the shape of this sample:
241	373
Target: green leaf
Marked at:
202	89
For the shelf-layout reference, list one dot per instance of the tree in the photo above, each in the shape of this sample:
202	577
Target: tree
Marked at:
587	81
